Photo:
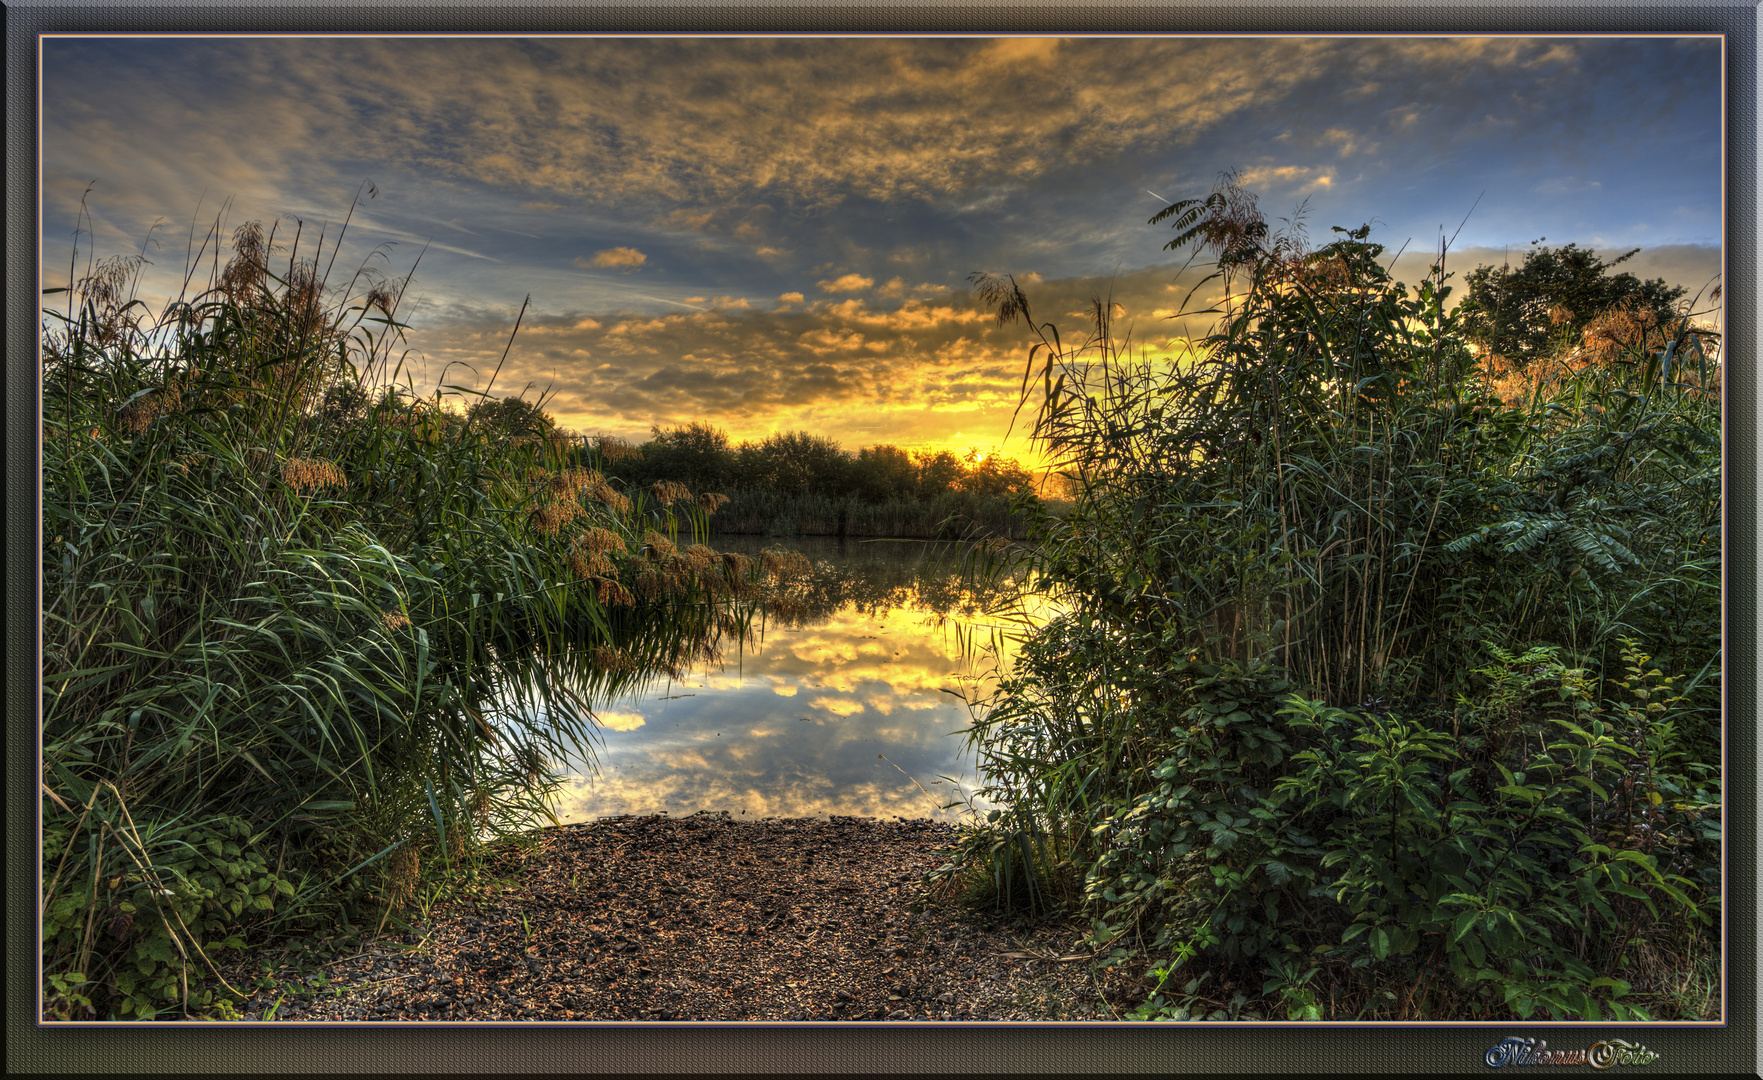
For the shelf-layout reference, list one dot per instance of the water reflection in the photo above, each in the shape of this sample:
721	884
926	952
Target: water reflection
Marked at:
838	708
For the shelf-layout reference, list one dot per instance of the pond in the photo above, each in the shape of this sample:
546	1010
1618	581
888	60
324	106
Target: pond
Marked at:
843	709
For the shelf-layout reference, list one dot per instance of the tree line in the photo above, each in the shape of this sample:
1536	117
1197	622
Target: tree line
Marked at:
799	463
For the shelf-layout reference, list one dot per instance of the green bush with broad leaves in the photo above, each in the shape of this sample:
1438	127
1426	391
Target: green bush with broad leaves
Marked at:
137	915
1381	692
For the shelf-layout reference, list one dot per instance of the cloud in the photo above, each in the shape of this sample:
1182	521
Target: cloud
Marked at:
900	374
618	256
1347	143
855	156
837	706
1294	178
685	219
1568	185
846	283
619	721
912	373
897	287
780	121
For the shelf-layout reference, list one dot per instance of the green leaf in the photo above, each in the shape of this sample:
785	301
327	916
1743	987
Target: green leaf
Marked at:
1464	923
1380	942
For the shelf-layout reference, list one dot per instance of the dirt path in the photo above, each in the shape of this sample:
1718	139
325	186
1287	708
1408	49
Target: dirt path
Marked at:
709	919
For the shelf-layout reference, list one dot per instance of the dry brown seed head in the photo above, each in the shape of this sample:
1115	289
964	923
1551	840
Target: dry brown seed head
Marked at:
650	583
613	593
549	517
612	449
612	499
571	483
667	492
310	474
609	659
596	540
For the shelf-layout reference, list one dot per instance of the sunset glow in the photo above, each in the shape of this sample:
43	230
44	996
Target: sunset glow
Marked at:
776	235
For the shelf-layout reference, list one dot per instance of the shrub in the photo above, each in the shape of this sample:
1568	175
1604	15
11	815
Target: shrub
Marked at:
1348	673
283	595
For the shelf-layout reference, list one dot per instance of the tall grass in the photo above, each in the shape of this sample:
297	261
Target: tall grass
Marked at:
308	637
1362	670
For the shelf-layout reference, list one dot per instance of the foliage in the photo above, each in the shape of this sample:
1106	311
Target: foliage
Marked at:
1348	676
509	417
1530	312
697	455
798	483
135	912
284	595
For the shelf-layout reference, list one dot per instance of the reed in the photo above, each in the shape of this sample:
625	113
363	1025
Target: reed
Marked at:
1345	675
309	638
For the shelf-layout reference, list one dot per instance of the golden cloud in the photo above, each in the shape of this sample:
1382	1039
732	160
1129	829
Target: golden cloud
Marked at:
846	283
837	706
618	256
619	721
911	374
1299	177
685	219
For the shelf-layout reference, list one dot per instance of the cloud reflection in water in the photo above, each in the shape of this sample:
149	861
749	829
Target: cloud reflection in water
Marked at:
798	725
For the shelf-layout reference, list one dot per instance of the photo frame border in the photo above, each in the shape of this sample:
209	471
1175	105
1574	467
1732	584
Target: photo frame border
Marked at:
969	1048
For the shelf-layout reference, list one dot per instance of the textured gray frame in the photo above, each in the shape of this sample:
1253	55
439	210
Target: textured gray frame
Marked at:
954	1048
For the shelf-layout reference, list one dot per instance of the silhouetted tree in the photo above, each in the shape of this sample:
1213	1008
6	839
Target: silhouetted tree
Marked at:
510	416
937	473
1530	311
697	455
884	472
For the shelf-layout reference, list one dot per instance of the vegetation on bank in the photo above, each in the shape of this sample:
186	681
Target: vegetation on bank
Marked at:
1547	305
310	640
798	483
1388	683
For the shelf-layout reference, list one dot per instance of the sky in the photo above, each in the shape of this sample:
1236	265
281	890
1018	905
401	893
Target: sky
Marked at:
776	234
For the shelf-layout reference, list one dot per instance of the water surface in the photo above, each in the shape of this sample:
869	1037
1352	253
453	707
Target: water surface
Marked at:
842	711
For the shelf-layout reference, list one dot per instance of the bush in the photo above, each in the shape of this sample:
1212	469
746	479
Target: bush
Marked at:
281	595
1349	676
134	913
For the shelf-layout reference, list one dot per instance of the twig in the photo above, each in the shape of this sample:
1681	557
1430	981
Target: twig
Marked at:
508	346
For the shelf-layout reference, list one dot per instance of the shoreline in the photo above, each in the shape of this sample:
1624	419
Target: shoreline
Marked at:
705	918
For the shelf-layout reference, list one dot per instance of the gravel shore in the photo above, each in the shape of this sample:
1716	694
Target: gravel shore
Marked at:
704	918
